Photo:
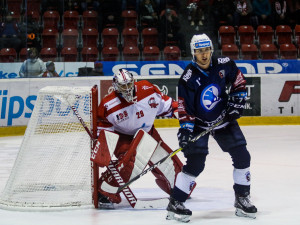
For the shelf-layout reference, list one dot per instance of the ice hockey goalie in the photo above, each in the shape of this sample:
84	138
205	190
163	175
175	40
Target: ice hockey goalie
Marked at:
129	112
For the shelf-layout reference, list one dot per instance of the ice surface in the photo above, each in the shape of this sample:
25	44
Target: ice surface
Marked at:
275	168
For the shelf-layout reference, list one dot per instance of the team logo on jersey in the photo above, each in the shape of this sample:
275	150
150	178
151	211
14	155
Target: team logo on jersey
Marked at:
210	97
152	102
122	116
222	73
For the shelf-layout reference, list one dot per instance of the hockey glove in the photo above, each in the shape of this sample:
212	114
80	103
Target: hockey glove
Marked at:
175	109
235	107
184	136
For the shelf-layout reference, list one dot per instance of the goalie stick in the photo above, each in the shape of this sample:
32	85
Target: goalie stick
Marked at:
171	154
133	201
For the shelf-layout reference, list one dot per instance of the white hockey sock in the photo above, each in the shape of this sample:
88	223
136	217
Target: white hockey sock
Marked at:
185	182
242	176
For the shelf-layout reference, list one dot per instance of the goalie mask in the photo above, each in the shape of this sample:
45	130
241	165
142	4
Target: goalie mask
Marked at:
123	83
200	41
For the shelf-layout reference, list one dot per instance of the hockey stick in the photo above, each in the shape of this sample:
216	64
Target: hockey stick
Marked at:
171	154
133	201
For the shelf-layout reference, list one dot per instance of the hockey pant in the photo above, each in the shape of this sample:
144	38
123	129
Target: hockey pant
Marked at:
133	154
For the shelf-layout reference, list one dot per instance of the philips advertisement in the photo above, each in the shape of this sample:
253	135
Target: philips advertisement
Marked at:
18	97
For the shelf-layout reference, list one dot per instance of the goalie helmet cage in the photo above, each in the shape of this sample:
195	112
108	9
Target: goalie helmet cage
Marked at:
53	170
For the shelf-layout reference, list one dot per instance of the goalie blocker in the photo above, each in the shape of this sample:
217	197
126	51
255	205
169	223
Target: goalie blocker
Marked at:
134	154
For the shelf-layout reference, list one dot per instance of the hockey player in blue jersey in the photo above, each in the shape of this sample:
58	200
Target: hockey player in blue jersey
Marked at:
211	89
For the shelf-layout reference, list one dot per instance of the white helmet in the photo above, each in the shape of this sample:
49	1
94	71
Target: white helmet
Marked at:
200	41
123	83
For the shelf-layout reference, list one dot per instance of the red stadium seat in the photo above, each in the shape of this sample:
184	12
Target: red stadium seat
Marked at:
34	5
130	18
90	37
288	51
70	20
151	53
297	37
69	54
297	34
90	19
131	53
51	19
150	36
35	15
231	51
23	54
268	51
172	53
48	54
246	34
14	6
283	34
49	38
110	37
226	35
130	36
8	55
110	53
89	54
249	51
15	15
70	38
265	34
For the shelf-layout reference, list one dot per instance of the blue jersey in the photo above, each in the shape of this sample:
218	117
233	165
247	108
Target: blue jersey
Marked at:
202	95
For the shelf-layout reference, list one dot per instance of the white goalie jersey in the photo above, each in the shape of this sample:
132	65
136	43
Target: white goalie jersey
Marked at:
116	114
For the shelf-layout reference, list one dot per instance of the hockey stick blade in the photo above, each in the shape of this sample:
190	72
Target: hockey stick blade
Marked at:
166	157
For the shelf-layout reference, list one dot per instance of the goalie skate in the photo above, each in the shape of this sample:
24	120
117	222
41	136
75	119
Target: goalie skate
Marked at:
244	207
177	211
104	203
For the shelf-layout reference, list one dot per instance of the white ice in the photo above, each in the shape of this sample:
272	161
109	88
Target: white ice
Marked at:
275	188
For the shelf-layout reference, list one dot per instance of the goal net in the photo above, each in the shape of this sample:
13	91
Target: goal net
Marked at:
53	167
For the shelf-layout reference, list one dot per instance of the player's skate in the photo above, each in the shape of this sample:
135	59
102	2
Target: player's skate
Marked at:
244	207
104	203
177	211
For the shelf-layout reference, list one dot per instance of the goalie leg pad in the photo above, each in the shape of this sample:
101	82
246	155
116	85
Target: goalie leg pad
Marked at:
108	179
130	163
104	148
166	172
143	145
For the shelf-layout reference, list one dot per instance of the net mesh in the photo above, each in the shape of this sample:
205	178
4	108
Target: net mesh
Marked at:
53	166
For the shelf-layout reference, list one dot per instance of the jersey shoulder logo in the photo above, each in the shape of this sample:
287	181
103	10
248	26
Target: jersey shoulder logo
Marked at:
210	97
146	87
223	60
222	73
152	102
187	76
